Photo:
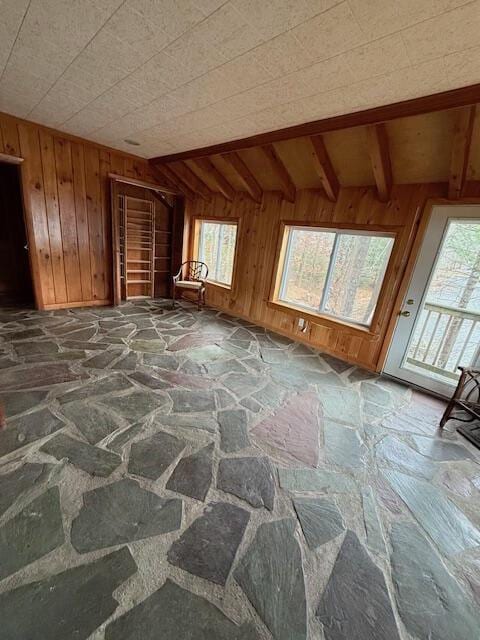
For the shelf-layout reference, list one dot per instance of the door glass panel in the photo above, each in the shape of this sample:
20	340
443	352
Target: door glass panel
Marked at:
447	332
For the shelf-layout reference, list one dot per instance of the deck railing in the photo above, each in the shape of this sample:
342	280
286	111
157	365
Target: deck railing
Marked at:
445	338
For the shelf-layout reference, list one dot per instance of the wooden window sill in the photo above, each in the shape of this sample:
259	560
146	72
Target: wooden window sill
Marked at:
210	283
323	320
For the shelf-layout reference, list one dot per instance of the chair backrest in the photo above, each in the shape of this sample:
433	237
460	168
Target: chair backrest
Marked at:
194	270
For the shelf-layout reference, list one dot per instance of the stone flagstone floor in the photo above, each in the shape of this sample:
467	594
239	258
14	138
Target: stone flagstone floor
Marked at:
185	475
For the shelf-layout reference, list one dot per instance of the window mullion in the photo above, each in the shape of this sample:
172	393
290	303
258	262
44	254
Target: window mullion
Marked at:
328	278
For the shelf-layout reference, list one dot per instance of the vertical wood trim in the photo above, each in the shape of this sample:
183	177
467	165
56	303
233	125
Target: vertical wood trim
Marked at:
462	139
47	152
117	284
36	216
106	223
66	202
377	141
94	202
78	166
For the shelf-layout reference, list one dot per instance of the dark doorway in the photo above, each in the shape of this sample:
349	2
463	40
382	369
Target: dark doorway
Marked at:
15	277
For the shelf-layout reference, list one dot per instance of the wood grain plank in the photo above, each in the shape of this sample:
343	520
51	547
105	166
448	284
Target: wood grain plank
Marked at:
324	167
36	216
377	141
105	169
66	202
94	214
189	178
11	141
78	166
225	188
462	140
244	174
47	150
286	184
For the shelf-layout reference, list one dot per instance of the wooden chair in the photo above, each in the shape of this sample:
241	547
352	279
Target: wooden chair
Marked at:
467	400
191	277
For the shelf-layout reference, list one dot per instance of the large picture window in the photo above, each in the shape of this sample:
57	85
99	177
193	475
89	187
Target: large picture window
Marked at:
216	247
334	272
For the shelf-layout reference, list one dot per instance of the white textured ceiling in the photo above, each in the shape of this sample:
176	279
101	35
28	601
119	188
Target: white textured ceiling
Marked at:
180	74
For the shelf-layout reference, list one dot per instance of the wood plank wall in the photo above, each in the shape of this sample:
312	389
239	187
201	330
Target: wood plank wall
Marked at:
67	209
257	245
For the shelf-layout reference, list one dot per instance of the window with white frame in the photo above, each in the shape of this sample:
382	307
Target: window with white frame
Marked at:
216	247
334	272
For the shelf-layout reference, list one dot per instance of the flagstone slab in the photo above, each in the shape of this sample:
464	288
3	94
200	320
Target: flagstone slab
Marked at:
114	382
306	480
15	402
135	405
344	447
149	347
207	548
271	575
198	339
224	399
173	612
241	384
82	334
27	429
373	526
102	360
30	377
162	361
122	512
192	421
180	379
31	348
341	405
118	442
35	531
94	422
431	602
193	474
84	345
24	334
440	450
6	362
127	363
250	479
337	365
71	604
93	460
208	353
271	395
320	519
221	367
153	455
15	483
443	521
376	393
233	430
292	433
148	380
355	602
392	451
188	401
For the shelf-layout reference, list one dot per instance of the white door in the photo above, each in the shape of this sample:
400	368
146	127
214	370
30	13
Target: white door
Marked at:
438	328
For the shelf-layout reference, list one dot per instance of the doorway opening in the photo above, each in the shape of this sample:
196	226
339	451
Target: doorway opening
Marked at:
16	288
438	329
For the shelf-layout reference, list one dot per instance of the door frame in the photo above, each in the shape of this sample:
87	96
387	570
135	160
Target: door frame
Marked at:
423	224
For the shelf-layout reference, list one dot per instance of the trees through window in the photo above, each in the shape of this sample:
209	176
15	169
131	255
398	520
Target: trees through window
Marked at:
335	272
216	247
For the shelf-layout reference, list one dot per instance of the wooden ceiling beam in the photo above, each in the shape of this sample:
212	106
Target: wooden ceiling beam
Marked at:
451	99
324	167
225	188
187	176
244	174
286	183
162	171
377	141
462	140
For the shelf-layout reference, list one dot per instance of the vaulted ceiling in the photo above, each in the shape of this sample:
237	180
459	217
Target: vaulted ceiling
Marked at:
174	75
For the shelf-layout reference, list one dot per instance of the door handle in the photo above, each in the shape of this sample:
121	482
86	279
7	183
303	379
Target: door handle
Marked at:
405	314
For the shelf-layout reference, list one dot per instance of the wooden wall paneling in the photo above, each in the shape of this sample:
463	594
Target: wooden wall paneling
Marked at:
47	149
95	227
36	216
324	167
378	148
116	246
105	169
83	233
194	183
11	141
462	140
66	203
